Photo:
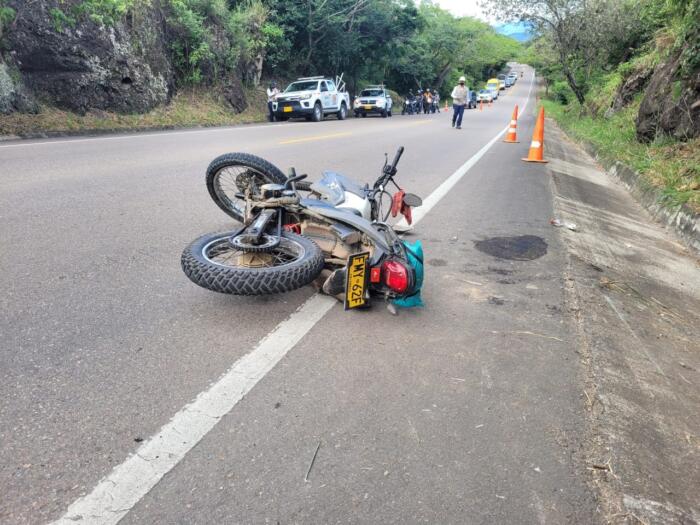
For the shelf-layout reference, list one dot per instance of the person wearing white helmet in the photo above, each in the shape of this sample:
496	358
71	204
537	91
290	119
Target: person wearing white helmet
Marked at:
459	100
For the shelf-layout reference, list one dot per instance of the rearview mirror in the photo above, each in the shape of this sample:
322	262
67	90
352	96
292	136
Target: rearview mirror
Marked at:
412	200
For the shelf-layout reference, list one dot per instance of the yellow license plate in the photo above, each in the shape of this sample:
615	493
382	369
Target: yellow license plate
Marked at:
356	281
287	109
367	107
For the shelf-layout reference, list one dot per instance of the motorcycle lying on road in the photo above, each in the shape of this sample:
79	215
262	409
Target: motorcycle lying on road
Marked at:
332	232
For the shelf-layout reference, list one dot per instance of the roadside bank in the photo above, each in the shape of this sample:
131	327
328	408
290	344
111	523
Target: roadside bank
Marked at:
635	296
663	177
188	109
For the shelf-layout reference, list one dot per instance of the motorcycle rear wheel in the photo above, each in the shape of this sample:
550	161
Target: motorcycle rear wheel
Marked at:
213	263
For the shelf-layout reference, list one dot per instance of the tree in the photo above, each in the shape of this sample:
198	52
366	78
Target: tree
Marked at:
583	33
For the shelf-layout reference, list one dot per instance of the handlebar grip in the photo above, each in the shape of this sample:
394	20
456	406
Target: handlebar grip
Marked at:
399	152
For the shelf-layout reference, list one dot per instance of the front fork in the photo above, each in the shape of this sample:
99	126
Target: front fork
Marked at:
252	234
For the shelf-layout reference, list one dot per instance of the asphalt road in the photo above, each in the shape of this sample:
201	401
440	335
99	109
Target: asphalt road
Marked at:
466	411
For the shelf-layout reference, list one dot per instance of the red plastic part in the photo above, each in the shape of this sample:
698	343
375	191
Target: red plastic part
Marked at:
395	276
406	211
375	275
397	202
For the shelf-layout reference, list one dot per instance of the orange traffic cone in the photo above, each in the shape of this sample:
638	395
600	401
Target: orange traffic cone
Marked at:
446	106
537	146
512	136
481	105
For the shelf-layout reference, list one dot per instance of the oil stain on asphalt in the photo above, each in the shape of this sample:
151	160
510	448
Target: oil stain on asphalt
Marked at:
520	248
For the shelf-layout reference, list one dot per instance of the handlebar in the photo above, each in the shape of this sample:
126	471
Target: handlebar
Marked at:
397	157
390	169
292	177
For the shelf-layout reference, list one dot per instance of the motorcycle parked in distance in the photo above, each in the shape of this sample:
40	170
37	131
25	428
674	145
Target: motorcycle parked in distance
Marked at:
409	105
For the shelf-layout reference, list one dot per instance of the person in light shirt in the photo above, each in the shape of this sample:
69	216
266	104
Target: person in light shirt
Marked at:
459	100
272	93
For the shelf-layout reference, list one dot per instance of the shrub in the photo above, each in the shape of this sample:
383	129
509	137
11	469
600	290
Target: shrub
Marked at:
561	92
7	16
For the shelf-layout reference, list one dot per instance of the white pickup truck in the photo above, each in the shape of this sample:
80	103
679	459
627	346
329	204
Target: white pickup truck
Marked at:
313	98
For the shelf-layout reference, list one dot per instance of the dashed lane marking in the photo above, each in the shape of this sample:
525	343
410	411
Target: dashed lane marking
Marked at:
317	137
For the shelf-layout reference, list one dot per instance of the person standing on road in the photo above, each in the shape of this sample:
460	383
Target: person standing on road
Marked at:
272	93
459	99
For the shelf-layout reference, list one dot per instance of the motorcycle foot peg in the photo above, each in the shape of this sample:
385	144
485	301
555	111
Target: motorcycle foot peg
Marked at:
335	284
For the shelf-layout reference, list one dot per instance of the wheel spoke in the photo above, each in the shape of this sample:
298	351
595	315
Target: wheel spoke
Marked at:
223	253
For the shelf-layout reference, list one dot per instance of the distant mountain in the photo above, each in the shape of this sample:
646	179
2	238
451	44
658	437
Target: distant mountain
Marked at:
520	31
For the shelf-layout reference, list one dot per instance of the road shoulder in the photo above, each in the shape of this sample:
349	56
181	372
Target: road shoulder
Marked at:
635	293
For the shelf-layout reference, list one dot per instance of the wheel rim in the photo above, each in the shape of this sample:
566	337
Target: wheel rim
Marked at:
220	252
230	180
317	111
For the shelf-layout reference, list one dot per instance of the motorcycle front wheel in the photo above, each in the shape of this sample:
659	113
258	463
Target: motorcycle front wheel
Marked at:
234	173
212	262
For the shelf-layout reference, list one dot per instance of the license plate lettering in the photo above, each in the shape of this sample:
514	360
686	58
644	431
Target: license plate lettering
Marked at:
356	282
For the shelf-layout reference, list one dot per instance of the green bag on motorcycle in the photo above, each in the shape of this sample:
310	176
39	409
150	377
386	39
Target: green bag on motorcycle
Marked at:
415	258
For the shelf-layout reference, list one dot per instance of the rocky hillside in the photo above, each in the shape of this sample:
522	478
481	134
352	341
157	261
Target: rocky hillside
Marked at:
78	64
76	60
671	98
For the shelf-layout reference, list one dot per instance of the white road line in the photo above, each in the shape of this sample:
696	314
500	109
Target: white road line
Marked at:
115	495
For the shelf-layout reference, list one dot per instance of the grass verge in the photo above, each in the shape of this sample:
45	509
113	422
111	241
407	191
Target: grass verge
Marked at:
188	108
670	165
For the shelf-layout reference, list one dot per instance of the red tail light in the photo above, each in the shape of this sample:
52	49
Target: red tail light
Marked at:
395	276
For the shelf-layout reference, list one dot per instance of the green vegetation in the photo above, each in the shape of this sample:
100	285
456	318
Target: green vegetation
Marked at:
191	107
104	12
596	58
397	42
670	165
7	15
580	41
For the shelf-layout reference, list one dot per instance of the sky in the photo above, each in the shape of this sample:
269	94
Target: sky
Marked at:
464	8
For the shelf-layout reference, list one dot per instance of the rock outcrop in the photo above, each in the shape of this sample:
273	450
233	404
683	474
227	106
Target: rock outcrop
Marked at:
632	85
13	94
82	66
234	94
671	104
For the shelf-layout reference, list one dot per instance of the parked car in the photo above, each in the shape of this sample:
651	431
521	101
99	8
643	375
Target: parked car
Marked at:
312	98
509	82
494	93
373	99
485	95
